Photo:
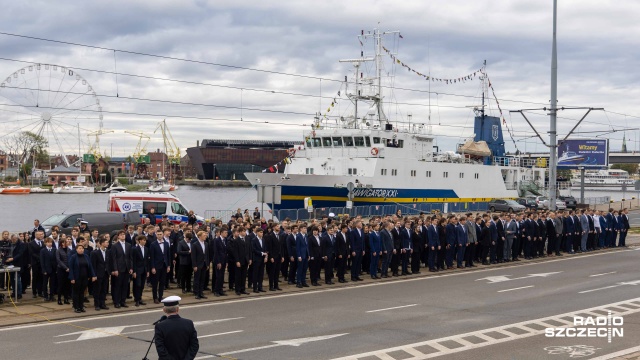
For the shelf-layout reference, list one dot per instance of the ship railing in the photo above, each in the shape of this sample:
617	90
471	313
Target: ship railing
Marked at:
515	161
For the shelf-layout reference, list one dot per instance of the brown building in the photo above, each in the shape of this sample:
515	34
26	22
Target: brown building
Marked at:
158	165
230	159
3	162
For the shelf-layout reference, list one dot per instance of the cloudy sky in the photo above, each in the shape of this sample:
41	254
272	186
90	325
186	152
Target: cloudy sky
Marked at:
274	64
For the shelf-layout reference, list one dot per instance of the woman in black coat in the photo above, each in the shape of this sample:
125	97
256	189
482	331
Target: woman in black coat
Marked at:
62	259
80	271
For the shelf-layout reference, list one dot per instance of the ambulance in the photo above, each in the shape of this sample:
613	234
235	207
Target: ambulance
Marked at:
142	202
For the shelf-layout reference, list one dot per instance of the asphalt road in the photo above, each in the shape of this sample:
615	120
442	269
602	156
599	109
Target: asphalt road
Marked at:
498	313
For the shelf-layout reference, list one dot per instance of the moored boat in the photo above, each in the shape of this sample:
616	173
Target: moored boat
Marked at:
15	190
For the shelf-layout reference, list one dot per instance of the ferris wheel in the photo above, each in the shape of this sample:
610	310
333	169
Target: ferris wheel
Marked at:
52	101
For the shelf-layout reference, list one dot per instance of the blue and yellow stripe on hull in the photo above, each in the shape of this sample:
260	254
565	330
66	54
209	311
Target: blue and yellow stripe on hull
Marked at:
293	196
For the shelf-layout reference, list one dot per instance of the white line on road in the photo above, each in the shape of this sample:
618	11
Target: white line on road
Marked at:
224	333
633	283
234	301
518	288
392	308
617	353
609	273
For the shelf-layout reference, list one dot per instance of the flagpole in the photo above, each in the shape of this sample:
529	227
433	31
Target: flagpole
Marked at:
553	160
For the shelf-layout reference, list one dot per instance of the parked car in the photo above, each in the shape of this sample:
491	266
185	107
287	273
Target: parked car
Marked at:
543	203
529	203
570	201
104	222
505	205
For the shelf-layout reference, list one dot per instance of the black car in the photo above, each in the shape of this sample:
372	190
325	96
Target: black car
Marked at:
570	201
529	203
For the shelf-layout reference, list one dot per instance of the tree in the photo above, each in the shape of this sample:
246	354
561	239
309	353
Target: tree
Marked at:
26	147
630	168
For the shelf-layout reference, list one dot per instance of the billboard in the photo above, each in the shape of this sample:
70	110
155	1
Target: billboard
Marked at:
578	153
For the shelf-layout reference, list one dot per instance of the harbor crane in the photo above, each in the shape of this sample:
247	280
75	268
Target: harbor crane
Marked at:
139	155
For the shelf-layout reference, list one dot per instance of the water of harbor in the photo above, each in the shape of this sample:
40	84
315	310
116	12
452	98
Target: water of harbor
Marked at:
17	212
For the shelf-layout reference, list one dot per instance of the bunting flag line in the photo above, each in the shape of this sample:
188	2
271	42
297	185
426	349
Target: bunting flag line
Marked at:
504	121
460	79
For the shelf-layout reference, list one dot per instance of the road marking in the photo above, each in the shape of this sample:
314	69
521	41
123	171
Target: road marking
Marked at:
518	288
442	350
292	342
613	272
634	283
219	334
279	296
617	353
503	278
392	308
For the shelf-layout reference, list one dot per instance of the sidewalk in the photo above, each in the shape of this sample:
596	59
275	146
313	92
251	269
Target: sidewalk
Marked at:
29	310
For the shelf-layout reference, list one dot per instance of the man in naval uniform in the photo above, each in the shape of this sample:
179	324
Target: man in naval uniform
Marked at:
175	337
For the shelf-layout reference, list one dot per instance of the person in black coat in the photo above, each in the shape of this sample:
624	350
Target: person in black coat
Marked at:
80	271
276	258
18	252
121	269
328	249
342	252
442	239
48	267
315	256
486	241
290	243
141	261
417	240
185	269
241	251
175	337
219	260
100	263
259	253
200	263
34	247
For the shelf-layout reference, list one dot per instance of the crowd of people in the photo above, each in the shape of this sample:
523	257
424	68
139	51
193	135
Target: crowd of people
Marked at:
234	256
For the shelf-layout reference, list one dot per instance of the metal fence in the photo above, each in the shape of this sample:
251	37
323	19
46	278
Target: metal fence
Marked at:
596	200
224	215
380	210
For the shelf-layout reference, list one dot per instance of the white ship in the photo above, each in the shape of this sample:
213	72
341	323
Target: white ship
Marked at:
385	164
603	178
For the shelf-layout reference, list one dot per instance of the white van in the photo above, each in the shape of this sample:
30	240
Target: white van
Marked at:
142	202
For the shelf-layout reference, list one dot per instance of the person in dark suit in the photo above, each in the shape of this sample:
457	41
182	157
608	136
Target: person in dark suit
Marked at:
315	254
569	230
417	241
34	248
141	264
397	246
175	337
219	260
259	256
242	255
48	268
375	246
100	262
494	239
442	238
501	238
357	251
36	227
386	244
80	272
200	263
461	241
275	248
624	227
159	254
302	252
185	269
16	259
328	249
434	244
342	253
485	240
121	269
290	243
452	240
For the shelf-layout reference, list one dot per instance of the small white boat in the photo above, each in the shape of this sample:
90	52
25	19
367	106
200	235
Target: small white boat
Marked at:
39	190
160	186
73	189
112	187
